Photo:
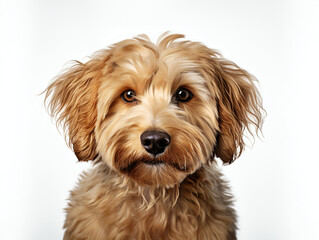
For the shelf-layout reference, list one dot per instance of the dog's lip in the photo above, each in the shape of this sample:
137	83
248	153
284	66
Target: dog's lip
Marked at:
153	162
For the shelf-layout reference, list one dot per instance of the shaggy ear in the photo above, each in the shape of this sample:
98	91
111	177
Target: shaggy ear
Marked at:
72	100
239	105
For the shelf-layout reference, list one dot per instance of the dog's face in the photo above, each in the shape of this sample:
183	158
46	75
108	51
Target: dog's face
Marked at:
157	119
156	113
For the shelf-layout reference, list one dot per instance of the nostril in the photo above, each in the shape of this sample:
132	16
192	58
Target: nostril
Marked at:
162	143
146	142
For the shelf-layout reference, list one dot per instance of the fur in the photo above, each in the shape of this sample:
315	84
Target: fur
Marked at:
184	197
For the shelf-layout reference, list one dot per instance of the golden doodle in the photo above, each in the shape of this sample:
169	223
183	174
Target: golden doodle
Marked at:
153	118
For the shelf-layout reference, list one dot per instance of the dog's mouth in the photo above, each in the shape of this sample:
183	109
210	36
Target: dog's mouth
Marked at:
161	170
153	162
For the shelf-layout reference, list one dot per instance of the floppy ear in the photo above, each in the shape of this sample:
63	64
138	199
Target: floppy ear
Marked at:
239	106
72	100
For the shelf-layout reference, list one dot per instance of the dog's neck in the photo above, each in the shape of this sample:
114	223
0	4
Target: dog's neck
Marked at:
148	195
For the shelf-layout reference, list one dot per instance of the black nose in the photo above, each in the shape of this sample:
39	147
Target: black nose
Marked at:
155	142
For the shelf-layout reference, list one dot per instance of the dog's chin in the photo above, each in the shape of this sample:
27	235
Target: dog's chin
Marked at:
155	172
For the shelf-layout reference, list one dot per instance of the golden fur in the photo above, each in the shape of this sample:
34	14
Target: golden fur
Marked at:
185	197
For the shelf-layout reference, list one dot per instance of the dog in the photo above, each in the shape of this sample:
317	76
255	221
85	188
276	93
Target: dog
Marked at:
153	119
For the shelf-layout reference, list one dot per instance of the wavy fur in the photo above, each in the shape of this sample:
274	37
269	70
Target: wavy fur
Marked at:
184	197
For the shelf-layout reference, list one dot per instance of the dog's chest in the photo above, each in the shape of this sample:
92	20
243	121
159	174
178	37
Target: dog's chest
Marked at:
137	218
189	218
103	208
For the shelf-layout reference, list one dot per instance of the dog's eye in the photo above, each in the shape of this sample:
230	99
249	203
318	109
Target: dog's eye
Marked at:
128	96
183	95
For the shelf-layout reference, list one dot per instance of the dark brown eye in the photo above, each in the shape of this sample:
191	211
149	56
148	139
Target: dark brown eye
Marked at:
183	95
128	96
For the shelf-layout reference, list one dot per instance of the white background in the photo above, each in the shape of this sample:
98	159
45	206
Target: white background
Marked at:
275	182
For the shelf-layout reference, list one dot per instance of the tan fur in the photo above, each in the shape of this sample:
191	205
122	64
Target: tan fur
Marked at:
122	197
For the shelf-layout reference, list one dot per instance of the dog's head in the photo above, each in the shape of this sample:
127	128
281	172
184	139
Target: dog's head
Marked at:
156	113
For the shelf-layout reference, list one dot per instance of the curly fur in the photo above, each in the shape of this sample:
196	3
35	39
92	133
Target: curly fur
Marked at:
122	197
